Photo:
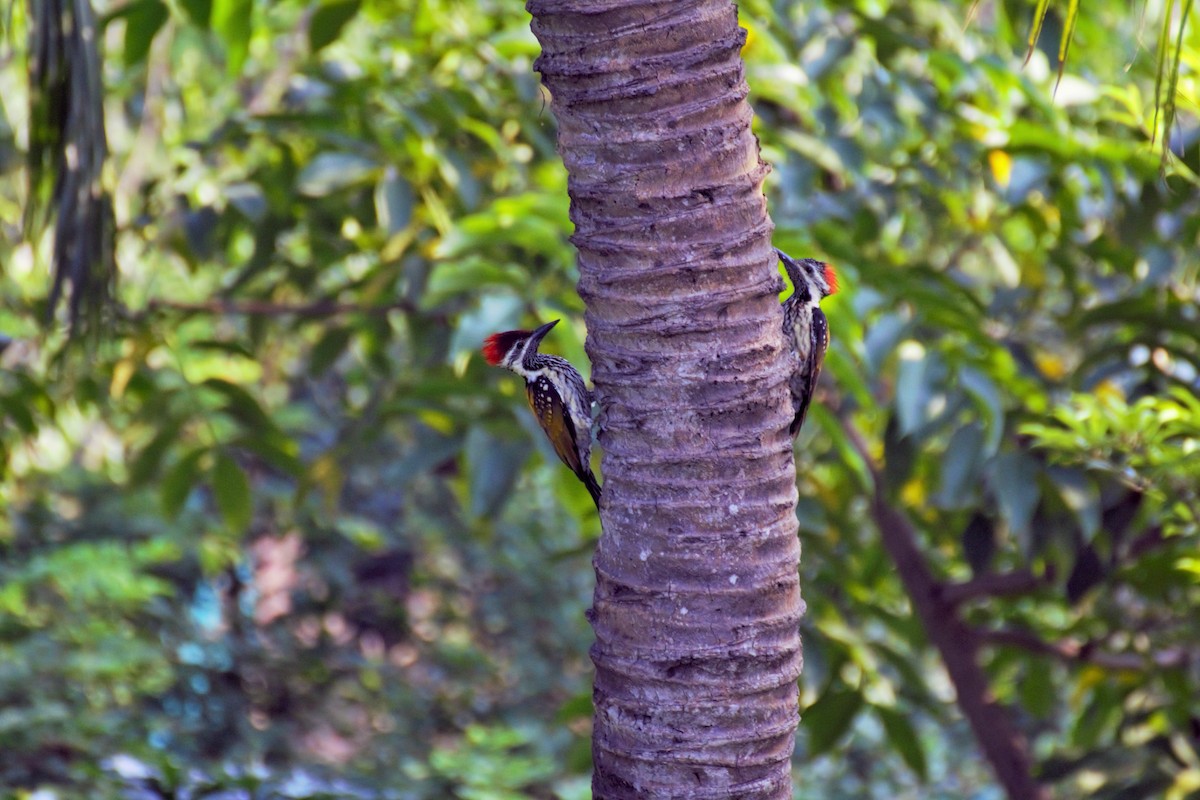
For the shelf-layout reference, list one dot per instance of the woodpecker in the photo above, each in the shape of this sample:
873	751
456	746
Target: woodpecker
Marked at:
557	394
805	327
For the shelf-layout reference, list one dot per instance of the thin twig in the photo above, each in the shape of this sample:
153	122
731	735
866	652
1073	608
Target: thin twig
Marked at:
266	308
1075	652
993	584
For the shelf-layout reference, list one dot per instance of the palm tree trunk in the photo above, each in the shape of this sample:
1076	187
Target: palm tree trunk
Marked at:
697	599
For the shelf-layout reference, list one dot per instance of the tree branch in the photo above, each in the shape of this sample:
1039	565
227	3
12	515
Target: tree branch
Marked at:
994	584
1147	542
1075	652
1005	747
266	308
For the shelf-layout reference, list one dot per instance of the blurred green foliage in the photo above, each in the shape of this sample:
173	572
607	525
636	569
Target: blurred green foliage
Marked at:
281	523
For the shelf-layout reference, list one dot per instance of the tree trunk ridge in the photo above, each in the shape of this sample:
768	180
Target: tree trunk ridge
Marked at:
697	603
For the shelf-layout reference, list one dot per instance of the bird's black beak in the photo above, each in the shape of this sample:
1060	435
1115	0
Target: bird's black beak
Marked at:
790	267
537	336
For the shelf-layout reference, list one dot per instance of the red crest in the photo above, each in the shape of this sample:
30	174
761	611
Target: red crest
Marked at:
831	278
496	346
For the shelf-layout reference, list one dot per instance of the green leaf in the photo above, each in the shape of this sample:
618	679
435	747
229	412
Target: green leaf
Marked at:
1080	494
467	276
1102	714
178	482
249	199
516	40
1068	34
429	449
198	11
494	469
912	388
960	468
145	465
143	19
394	202
19	414
328	21
327	476
848	454
233	348
987	396
232	491
327	349
233	20
881	340
1173	317
275	448
899	455
828	719
578	707
526	221
848	375
1014	481
1039	18
239	404
1037	688
904	739
332	172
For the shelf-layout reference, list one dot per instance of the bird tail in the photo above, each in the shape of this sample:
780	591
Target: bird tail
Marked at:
798	420
589	480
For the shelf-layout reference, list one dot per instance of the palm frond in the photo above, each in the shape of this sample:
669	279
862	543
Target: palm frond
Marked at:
1168	56
67	151
1167	104
1035	29
1064	42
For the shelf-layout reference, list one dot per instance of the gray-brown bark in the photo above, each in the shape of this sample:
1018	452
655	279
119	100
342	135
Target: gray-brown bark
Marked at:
697	598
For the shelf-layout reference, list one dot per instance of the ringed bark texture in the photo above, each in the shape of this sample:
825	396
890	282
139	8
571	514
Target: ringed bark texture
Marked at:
697	601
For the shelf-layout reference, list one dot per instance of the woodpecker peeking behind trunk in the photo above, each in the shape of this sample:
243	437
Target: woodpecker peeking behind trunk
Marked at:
805	327
557	394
